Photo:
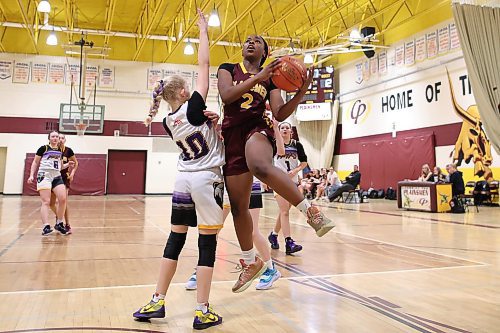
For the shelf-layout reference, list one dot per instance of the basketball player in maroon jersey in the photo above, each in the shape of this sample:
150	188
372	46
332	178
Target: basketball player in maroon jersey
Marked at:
250	145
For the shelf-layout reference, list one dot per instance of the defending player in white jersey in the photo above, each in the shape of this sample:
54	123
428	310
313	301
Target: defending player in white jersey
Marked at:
48	160
292	162
199	186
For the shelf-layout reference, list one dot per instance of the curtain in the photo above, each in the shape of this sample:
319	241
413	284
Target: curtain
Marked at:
318	139
478	25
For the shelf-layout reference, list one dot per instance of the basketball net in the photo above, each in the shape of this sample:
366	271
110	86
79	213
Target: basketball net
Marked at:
80	128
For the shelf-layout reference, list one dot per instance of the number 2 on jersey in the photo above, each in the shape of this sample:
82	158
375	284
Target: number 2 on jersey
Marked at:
248	101
197	147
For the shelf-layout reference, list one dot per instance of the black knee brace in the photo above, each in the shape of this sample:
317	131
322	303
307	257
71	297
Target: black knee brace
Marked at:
174	245
206	246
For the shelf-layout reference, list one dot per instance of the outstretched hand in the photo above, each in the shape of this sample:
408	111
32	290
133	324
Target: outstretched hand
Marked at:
202	21
269	70
307	80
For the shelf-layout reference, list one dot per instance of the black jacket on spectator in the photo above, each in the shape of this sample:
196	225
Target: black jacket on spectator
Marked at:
457	183
353	179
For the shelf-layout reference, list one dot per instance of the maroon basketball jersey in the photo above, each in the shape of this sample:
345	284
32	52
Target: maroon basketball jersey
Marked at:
252	104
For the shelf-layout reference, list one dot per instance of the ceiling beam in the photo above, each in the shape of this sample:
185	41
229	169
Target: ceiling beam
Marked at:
29	26
69	9
147	18
414	16
338	9
202	6
284	16
2	29
235	22
110	14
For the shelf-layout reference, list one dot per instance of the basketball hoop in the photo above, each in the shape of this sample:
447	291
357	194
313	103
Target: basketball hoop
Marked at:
80	128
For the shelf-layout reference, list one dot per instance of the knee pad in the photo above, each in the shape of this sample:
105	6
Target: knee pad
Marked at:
207	245
174	245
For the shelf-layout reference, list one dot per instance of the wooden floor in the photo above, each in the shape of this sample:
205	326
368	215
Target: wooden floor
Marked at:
380	270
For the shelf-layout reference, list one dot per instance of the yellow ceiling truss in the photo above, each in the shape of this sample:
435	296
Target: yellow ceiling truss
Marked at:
157	30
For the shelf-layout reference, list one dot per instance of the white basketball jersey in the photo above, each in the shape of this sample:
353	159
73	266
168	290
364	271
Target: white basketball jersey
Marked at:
201	148
290	160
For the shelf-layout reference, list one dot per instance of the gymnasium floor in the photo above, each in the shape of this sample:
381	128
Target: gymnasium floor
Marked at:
380	270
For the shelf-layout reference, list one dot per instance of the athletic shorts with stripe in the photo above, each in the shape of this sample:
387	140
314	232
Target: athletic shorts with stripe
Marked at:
197	199
47	180
255	197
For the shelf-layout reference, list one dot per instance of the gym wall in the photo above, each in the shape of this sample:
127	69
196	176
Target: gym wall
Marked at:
380	110
29	111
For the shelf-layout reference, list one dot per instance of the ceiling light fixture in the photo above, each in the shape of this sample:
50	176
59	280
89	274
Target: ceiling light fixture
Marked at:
43	6
188	49
52	39
213	20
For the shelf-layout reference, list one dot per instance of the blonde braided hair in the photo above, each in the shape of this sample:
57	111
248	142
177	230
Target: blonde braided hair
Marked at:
167	89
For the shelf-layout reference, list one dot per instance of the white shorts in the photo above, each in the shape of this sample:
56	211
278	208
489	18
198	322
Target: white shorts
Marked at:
197	199
47	180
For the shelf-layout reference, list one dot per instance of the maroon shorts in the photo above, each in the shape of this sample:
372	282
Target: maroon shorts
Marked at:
235	139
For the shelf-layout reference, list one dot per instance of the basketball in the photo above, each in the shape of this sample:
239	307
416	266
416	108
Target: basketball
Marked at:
290	76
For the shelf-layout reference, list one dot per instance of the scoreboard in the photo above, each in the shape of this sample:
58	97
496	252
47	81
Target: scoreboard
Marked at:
321	89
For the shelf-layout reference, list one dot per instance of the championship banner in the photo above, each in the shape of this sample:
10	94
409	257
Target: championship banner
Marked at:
5	69
21	72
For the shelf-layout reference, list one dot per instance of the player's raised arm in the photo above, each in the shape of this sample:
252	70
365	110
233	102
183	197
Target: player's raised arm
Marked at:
203	57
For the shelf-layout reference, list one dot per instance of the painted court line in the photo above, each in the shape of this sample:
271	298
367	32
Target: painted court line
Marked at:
389	243
134	210
305	277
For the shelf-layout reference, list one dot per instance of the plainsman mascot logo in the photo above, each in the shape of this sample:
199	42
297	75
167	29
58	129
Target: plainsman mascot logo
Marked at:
472	143
219	193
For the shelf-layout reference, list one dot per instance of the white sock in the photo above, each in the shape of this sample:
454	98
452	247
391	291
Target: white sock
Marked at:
274	233
59	221
269	264
202	306
248	256
157	297
303	206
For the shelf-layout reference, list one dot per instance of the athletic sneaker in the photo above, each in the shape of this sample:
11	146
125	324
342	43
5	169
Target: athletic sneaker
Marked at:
248	274
151	310
318	221
273	239
60	227
267	279
68	229
206	320
191	283
46	230
291	247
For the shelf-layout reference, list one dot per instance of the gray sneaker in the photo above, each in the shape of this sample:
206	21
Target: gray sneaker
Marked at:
318	221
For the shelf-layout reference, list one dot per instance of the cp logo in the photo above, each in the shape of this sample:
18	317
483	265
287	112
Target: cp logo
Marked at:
423	202
357	110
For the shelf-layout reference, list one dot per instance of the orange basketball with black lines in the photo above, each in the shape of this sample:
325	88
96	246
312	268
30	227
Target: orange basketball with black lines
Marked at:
290	75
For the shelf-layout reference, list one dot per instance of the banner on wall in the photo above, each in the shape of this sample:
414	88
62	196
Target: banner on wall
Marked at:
314	111
444	40
154	75
410	53
366	70
373	66
56	73
72	74
420	50
359	72
5	69
107	77
400	55
382	62
39	72
408	105
454	40
212	86
431	40
188	77
91	75
21	72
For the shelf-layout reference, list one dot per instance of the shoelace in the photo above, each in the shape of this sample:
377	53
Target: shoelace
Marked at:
239	268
